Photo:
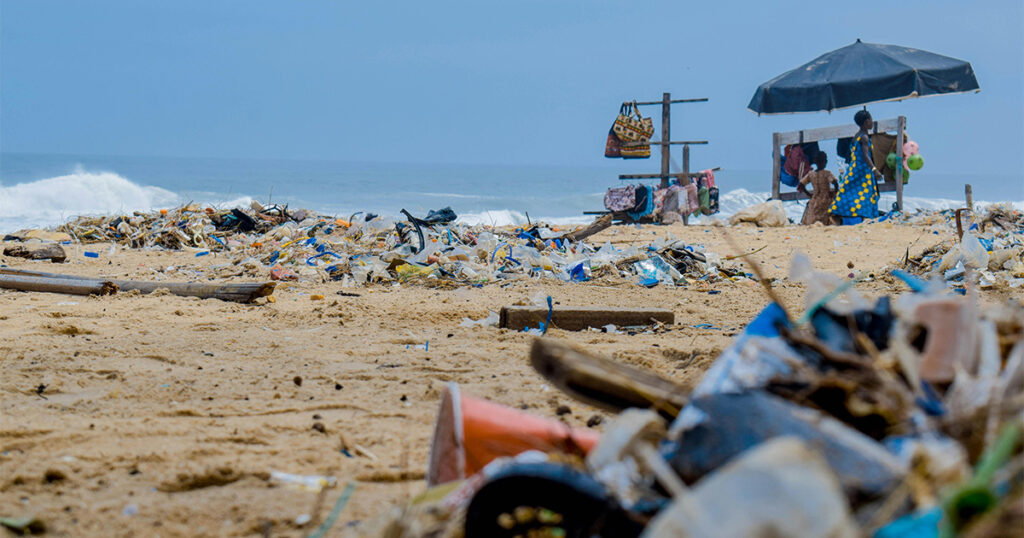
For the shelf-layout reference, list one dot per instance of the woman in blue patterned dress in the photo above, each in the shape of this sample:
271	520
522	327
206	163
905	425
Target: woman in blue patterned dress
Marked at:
857	198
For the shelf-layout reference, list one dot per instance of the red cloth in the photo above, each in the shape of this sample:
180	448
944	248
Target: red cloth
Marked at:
796	162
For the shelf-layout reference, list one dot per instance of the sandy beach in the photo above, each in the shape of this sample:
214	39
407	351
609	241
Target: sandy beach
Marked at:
164	416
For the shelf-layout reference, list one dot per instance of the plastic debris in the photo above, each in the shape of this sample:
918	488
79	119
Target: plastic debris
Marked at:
858	418
435	251
312	483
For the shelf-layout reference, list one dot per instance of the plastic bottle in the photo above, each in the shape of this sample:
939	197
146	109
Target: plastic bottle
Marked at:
973	252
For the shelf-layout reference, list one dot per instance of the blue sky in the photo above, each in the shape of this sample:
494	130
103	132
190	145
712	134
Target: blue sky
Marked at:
523	82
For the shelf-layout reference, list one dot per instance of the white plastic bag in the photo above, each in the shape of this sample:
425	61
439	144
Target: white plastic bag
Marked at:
770	213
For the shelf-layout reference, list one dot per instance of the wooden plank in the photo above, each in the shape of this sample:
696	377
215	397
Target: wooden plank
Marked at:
578	318
831	133
901	125
243	292
670	143
673	174
674	101
776	166
603	382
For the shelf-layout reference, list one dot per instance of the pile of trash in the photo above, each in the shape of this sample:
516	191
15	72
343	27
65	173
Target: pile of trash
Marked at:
366	248
992	248
893	417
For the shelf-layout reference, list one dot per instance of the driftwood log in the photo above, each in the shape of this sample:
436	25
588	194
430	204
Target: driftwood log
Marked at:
58	283
601	223
603	382
581	317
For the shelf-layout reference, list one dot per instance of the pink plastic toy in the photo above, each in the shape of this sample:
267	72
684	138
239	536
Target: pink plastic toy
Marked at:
910	148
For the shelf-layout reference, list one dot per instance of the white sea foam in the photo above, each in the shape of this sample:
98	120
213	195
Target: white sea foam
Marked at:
48	202
508	217
51	201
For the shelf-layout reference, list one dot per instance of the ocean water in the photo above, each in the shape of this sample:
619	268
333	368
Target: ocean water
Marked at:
43	190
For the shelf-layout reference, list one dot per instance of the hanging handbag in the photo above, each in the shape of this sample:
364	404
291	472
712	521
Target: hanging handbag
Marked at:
637	151
612	146
630	126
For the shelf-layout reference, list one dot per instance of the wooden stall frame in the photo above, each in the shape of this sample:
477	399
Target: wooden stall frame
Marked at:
779	140
666	143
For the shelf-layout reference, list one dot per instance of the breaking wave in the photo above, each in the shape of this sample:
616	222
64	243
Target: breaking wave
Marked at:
49	202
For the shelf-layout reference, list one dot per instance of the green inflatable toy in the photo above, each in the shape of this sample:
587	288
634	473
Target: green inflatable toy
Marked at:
891	160
915	161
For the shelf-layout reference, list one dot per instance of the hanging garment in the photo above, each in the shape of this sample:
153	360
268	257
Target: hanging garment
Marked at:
659	199
693	203
709	177
784	176
882	144
796	162
620	198
843	149
644	203
811	151
858	194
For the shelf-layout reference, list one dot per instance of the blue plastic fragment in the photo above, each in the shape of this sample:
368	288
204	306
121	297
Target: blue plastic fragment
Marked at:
203	253
714	292
916	283
931	403
578	274
916	525
547	322
91	254
275	256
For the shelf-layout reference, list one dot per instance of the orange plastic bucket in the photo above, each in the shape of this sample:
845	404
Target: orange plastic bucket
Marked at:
472	432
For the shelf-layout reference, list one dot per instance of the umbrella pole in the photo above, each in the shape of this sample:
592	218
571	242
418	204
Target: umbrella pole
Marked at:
901	124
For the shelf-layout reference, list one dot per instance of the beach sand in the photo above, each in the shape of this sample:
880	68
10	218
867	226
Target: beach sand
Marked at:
164	416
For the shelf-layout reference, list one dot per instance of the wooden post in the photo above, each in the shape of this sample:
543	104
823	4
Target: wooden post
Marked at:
666	108
776	167
686	170
686	158
969	196
901	124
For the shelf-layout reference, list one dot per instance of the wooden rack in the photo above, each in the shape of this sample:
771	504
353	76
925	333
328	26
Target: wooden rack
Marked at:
666	142
779	140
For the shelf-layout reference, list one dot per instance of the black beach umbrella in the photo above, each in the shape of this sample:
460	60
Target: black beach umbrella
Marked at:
860	74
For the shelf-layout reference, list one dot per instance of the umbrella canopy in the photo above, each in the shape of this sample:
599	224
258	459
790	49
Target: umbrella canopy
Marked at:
860	74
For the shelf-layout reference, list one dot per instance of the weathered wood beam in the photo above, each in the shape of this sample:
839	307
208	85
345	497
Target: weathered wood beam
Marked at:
603	382
243	292
578	318
831	133
674	101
